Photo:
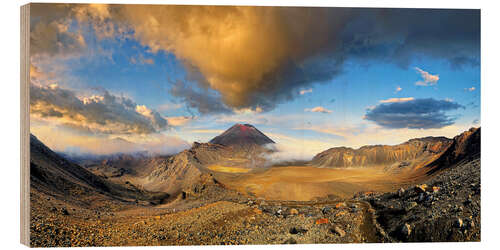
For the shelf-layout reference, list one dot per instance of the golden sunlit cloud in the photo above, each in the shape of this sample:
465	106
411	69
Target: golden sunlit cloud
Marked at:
427	78
178	120
105	113
318	109
393	100
252	56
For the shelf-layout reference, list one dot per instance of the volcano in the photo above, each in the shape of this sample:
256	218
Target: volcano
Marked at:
241	134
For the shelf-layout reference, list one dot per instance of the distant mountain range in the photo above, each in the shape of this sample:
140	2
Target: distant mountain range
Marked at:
240	145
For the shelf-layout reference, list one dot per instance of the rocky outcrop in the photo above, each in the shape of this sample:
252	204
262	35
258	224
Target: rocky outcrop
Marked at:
382	155
466	146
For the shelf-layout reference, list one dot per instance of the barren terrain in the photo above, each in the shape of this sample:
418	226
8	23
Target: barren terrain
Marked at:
204	196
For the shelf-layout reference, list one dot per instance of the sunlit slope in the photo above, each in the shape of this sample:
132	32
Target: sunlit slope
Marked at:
405	154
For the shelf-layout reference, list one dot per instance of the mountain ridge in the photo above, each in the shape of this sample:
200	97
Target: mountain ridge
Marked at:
371	155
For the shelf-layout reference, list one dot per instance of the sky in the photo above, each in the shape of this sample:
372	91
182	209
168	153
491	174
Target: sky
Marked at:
125	78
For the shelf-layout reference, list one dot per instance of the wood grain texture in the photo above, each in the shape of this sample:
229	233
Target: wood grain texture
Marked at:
25	154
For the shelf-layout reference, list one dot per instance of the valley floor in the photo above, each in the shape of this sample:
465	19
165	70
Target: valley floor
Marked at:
447	210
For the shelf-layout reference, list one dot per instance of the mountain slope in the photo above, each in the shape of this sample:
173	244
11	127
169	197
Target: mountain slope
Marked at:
465	147
54	175
405	154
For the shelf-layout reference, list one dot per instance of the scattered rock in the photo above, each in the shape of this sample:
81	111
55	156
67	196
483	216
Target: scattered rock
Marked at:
421	197
401	192
339	205
64	211
290	241
295	230
410	206
321	221
458	223
406	230
279	212
257	211
421	188
294	211
338	231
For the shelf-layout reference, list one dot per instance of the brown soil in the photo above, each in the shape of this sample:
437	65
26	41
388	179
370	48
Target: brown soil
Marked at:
302	183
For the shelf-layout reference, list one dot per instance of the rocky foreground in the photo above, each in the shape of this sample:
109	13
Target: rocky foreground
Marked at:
445	208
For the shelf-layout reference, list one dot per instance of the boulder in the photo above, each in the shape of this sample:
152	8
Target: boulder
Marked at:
421	188
321	221
406	230
294	211
338	230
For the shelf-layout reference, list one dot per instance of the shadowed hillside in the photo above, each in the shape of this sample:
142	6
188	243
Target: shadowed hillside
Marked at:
54	175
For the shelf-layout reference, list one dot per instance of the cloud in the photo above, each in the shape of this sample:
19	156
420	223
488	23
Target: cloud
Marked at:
63	139
168	106
104	113
427	78
319	109
398	89
470	89
54	37
205	102
262	56
141	60
179	120
207	131
414	114
393	100
305	91
289	148
363	134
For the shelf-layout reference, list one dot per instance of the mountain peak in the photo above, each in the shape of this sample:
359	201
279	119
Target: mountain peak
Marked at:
241	134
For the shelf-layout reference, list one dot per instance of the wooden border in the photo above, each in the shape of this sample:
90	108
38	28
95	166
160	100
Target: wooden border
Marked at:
25	124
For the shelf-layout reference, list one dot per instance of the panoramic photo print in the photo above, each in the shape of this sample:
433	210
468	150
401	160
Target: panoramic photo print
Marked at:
234	125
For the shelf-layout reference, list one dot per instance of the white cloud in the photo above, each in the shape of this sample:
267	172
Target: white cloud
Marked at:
319	109
470	89
305	91
393	100
168	106
179	120
62	139
291	148
427	78
398	89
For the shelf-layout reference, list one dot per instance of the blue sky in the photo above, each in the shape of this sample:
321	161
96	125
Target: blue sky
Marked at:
122	80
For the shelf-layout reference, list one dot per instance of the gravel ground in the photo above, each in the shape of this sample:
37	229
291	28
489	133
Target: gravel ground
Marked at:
448	209
213	215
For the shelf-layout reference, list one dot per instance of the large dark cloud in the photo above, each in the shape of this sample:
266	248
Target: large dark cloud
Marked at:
204	101
414	114
256	57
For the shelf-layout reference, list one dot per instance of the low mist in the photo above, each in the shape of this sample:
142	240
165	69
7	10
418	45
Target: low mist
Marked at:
288	154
